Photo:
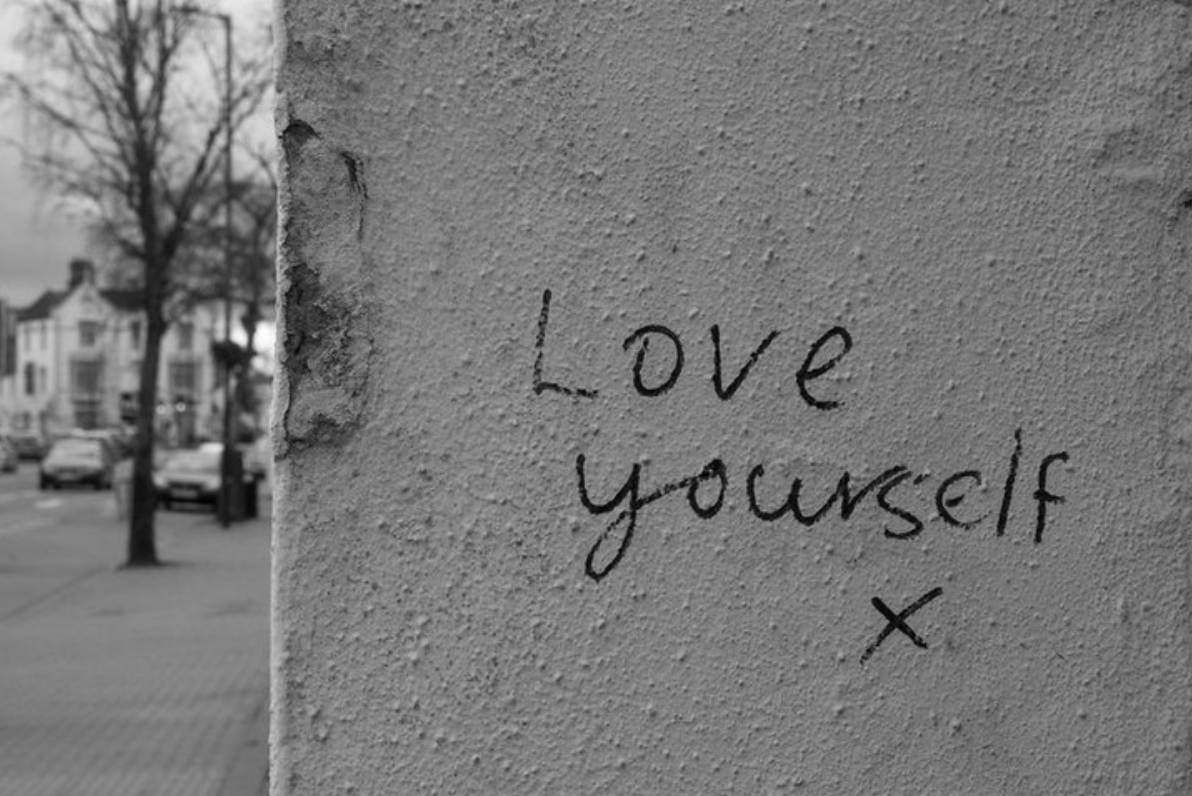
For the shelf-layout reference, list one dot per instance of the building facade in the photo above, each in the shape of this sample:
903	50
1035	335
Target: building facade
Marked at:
78	355
8	361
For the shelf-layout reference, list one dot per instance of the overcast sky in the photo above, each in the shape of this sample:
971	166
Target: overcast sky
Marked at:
36	243
38	239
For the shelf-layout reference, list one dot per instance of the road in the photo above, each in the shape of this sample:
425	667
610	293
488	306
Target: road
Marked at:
49	540
127	681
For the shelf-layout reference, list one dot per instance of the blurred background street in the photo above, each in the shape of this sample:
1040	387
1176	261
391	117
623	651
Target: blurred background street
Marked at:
136	334
129	681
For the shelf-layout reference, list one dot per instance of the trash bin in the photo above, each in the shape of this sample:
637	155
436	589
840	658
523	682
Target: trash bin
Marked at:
231	497
250	495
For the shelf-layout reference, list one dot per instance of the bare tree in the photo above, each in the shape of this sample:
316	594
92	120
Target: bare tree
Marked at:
121	123
252	278
258	247
254	233
256	255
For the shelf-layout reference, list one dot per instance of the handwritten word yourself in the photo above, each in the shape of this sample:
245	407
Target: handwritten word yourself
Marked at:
773	503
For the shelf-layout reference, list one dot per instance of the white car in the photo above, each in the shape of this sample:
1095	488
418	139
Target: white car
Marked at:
189	476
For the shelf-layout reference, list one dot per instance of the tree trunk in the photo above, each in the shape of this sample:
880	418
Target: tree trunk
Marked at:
142	544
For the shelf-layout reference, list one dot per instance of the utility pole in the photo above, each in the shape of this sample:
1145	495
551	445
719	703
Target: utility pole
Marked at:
228	474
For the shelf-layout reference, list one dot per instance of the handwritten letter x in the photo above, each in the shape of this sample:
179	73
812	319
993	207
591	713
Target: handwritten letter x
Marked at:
898	621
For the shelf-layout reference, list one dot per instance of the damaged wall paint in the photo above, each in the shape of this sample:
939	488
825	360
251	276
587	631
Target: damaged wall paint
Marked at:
326	340
580	491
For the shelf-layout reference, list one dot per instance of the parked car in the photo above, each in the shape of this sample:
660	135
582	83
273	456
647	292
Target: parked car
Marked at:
28	445
189	476
117	441
250	458
72	460
8	456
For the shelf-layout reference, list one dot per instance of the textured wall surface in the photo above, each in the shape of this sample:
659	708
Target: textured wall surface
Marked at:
762	397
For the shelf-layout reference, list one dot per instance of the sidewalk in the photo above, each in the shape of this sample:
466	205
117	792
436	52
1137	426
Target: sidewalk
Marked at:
148	682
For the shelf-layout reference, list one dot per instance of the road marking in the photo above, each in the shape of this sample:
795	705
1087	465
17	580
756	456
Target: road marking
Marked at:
25	494
31	524
48	503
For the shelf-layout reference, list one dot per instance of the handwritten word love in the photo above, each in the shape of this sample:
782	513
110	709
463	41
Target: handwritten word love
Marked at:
811	369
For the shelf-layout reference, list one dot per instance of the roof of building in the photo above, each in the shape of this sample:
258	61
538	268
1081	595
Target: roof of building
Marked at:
122	299
41	309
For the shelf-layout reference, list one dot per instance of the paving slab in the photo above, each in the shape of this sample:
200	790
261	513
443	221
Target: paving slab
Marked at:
143	681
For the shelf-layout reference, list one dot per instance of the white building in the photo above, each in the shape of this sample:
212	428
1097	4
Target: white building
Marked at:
78	360
8	363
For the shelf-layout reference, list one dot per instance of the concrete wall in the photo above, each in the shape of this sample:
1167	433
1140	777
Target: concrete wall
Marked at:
909	515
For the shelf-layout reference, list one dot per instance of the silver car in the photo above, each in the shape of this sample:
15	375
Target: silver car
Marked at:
189	476
77	461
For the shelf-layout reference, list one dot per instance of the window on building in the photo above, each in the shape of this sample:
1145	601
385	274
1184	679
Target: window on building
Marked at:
42	327
88	334
30	379
129	401
134	332
43	381
184	378
9	355
27	339
87	414
86	378
186	336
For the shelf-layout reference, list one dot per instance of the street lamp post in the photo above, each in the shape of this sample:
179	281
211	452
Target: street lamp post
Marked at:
226	471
